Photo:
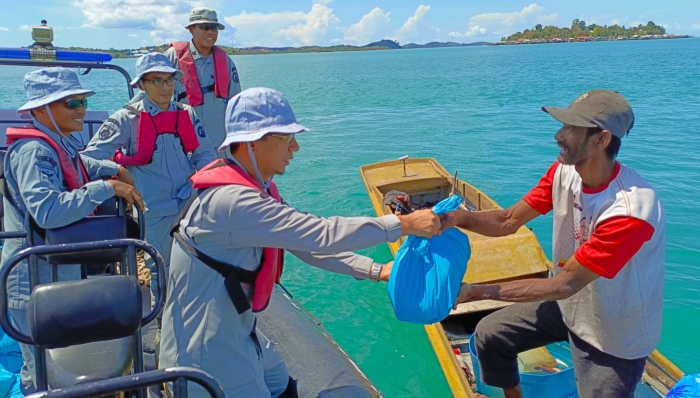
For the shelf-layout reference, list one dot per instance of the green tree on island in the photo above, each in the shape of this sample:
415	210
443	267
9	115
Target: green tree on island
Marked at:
579	28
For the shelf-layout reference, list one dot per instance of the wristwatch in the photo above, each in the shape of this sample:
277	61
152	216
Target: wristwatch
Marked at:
375	271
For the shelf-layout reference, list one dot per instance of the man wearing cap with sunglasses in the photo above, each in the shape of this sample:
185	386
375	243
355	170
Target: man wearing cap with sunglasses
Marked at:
162	143
239	226
46	178
210	76
608	246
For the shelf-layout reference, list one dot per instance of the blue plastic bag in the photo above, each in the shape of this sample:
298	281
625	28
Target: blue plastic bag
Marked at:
10	365
687	387
427	273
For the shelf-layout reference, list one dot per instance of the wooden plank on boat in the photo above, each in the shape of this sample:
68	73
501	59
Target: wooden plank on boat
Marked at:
478	306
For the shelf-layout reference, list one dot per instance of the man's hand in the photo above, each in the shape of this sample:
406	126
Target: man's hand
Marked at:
124	176
386	271
423	223
128	192
467	293
448	220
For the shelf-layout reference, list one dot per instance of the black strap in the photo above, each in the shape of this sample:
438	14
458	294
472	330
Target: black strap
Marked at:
132	110
205	90
233	276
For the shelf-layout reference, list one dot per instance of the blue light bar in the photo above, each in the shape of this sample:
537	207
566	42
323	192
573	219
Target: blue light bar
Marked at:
15	53
51	55
82	56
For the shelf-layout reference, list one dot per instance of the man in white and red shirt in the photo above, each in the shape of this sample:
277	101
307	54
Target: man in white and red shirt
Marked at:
606	294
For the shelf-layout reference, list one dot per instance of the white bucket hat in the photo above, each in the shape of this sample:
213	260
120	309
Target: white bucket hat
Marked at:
45	86
258	111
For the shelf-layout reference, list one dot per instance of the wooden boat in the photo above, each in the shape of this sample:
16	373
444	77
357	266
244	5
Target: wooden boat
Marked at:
426	182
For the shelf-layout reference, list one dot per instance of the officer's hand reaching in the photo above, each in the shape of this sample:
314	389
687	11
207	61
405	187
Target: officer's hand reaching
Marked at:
386	271
423	223
128	192
124	176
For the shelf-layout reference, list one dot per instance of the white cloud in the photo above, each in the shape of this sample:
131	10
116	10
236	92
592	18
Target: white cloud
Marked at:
315	25
411	27
503	23
528	14
4	29
25	28
696	26
472	31
287	28
132	35
164	21
370	28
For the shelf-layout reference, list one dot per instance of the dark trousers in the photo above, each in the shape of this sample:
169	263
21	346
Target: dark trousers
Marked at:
503	334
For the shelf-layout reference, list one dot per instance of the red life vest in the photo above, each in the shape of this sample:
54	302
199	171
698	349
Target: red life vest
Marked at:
223	172
150	127
193	89
70	173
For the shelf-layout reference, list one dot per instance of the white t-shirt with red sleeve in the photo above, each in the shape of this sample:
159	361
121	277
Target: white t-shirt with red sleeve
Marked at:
616	231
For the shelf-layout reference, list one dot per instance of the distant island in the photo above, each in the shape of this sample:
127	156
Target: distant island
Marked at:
377	45
579	31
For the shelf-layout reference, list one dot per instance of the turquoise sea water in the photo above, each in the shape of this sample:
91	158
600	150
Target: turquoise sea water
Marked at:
476	110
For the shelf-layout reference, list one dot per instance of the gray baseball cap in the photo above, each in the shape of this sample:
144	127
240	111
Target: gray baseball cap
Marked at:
605	109
257	111
203	15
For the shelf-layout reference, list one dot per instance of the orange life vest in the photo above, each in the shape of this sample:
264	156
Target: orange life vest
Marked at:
70	172
185	61
150	127
223	172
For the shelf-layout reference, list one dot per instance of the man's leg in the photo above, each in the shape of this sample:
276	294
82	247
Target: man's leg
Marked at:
501	336
601	375
158	235
276	373
27	373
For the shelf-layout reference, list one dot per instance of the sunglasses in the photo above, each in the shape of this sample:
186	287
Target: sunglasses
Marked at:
208	26
159	82
287	137
74	103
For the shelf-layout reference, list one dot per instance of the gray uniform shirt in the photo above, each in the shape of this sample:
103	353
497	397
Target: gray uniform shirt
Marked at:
164	182
36	185
232	224
213	110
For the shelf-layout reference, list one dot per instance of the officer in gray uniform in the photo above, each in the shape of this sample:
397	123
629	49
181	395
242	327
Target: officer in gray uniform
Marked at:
164	181
204	27
232	224
35	183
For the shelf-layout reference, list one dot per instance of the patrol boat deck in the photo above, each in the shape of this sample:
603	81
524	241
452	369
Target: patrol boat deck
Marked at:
427	182
311	354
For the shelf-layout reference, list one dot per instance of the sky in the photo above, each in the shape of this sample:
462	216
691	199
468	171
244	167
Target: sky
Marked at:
122	24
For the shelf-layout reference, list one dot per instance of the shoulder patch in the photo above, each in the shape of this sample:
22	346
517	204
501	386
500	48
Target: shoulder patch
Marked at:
49	175
200	130
109	128
234	75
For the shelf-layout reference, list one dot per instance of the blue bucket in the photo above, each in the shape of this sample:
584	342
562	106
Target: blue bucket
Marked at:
535	385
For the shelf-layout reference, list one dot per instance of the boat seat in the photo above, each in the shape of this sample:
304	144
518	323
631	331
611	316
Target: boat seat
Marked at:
87	327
